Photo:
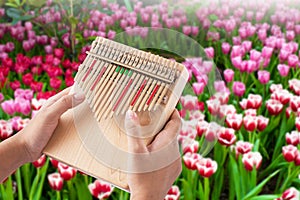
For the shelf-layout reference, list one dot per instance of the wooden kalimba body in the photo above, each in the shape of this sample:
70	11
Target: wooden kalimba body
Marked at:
115	78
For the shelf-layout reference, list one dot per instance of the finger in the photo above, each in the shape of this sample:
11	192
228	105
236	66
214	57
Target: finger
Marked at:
168	134
64	103
132	128
54	98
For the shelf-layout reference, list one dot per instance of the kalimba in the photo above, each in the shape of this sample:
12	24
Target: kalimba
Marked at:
115	78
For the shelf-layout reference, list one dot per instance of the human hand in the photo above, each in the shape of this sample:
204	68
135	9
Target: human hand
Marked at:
155	183
38	132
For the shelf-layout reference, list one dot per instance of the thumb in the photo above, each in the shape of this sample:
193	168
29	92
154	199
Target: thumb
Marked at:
64	103
133	132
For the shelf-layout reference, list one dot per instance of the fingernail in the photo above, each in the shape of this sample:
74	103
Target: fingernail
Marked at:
131	115
78	97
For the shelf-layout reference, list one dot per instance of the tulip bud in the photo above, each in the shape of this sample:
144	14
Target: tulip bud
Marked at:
289	153
40	162
238	88
66	171
234	121
250	122
228	75
226	136
263	76
55	181
242	147
173	193
206	167
274	107
190	160
100	189
291	194
251	160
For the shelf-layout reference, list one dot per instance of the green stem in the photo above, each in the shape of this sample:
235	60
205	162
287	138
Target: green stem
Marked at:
19	184
58	197
206	189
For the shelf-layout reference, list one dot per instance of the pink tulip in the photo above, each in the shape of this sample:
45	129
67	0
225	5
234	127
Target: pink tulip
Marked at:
283	55
290	35
252	160
293	61
66	171
263	76
8	107
289	152
190	160
292	138
247	45
262	34
242	147
100	189
283	70
187	30
22	106
226	110
250	122
18	123
173	193
238	88
55	181
225	47
206	167
209	52
220	86
228	75
237	62
267	52
198	88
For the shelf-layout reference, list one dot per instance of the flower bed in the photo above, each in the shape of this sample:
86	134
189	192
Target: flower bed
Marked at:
239	140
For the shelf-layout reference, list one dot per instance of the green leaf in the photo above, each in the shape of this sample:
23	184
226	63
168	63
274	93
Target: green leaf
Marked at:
11	5
13	13
265	197
235	176
128	5
258	188
82	190
187	192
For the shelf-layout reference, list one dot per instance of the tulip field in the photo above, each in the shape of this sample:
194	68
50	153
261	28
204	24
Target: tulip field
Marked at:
240	134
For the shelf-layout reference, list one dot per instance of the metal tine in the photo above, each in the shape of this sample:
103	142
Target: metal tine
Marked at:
101	87
110	86
157	90
166	64
144	58
85	65
164	92
135	77
119	91
153	84
100	71
94	71
149	80
110	69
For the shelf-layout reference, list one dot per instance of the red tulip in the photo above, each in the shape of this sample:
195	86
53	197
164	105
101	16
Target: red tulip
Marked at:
242	147
55	181
297	123
234	121
262	122
251	112
173	193
293	138
190	160
283	96
201	127
6	129
55	82
18	123
226	110
189	102
251	160
250	122
197	115
66	171
297	159
253	101
212	131
59	53
295	103
189	145
294	85
213	106
54	162
289	152
275	87
27	79
206	167
274	107
226	136
100	189
40	162
222	96
291	194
